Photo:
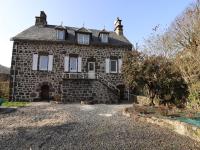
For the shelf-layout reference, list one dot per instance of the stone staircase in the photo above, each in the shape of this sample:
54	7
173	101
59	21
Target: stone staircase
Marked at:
111	86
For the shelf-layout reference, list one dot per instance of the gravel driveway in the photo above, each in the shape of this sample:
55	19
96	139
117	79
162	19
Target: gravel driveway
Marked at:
74	126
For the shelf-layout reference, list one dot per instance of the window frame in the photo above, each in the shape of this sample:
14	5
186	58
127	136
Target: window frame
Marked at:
58	35
39	58
83	39
104	36
116	67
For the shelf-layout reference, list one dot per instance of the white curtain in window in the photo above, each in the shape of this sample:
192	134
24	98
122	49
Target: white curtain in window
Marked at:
104	38
73	64
61	35
43	63
83	39
86	39
80	38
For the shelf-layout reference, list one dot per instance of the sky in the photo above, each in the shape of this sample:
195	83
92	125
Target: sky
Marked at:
138	17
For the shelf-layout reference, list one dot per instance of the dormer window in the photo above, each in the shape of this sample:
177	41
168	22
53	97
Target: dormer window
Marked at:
104	38
60	34
83	38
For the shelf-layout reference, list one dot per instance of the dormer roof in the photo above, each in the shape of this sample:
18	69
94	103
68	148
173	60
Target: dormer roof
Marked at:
84	30
60	27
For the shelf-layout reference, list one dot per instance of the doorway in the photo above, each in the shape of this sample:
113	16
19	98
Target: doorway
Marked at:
91	70
44	95
121	87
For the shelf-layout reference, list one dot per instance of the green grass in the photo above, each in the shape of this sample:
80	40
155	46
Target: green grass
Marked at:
14	104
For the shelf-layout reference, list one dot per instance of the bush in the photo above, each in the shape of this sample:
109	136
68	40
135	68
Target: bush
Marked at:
4	89
158	75
194	96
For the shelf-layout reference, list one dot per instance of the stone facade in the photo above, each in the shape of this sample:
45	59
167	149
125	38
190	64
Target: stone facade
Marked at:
58	44
26	83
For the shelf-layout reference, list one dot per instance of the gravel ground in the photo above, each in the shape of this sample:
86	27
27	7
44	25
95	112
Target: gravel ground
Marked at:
74	126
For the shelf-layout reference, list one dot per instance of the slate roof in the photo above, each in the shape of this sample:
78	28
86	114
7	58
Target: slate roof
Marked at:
48	33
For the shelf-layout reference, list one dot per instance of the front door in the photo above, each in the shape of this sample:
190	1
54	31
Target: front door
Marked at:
91	70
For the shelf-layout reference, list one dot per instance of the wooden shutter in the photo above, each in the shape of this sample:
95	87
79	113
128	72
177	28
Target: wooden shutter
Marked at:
50	63
107	65
66	64
79	64
119	65
35	62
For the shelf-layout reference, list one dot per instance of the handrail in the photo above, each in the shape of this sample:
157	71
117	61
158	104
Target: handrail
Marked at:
80	75
109	84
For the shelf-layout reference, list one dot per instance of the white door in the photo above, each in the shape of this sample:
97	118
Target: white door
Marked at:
91	70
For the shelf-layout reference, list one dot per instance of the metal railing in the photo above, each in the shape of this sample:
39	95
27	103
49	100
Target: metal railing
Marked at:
97	76
77	75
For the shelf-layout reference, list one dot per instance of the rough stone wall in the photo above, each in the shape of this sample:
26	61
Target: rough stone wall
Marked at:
84	90
25	83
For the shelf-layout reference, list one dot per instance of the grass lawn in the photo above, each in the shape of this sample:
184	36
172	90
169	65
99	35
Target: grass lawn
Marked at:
14	104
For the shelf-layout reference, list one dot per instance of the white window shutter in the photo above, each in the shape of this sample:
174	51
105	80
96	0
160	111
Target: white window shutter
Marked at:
50	63
79	64
35	62
107	65
66	64
119	65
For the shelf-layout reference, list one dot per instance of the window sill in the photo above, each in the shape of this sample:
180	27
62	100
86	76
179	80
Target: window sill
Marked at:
114	72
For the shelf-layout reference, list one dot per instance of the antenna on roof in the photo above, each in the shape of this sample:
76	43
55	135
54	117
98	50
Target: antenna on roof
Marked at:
61	23
104	27
83	24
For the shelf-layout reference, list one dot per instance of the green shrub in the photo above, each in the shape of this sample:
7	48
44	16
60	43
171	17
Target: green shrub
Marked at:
194	97
4	89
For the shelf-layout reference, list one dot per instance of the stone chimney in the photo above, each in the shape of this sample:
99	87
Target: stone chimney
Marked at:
118	26
41	20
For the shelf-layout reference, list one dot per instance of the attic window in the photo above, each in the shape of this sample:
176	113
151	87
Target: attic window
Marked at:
83	39
60	34
104	38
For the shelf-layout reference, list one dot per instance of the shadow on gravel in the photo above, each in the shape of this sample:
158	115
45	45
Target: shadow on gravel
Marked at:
46	137
7	110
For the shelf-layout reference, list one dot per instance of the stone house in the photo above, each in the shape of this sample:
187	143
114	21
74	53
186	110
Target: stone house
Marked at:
68	63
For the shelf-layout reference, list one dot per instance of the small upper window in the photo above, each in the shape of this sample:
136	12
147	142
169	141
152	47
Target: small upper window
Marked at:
60	34
113	66
43	62
104	38
83	39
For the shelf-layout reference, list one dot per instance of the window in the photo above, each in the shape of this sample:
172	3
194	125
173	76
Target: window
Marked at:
43	62
73	64
113	66
60	34
83	39
104	38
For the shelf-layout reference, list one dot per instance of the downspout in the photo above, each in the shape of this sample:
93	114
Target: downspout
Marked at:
15	46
